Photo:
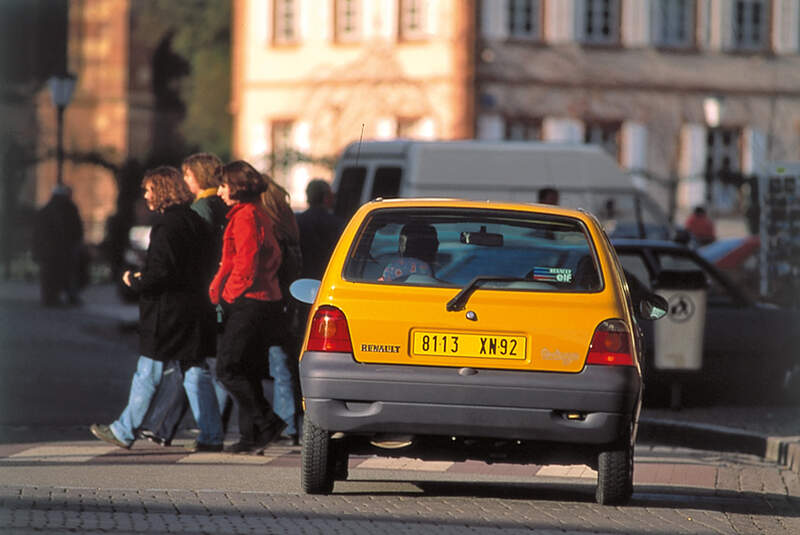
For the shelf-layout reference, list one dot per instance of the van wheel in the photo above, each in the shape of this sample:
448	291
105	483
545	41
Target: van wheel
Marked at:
316	459
615	476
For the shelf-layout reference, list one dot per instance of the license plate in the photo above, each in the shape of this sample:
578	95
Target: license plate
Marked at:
491	346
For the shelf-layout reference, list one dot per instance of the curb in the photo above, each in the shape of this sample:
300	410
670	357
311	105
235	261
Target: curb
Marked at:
784	451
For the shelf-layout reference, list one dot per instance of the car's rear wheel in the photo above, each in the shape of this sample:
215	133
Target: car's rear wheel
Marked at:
615	475
317	459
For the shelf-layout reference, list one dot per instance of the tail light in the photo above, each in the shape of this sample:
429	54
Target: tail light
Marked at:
329	331
611	345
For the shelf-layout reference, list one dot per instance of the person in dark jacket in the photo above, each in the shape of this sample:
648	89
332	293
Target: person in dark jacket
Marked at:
319	229
247	287
57	245
202	174
172	313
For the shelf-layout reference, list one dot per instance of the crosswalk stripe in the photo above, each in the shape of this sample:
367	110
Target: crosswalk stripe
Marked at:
59	454
227	458
573	470
404	463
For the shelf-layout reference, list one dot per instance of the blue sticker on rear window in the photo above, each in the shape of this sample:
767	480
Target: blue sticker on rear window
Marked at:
551	274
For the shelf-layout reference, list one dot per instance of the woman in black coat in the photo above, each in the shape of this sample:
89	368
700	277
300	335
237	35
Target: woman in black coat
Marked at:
174	312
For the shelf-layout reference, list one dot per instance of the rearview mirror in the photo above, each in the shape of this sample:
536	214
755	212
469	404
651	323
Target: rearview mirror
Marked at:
653	307
304	290
486	239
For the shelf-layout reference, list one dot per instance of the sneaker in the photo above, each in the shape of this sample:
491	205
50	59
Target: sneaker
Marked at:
154	438
104	433
195	447
245	447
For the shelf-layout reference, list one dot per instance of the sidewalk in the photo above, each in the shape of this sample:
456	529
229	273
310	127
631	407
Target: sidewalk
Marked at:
769	432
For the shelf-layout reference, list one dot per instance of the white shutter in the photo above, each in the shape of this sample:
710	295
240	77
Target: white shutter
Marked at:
426	128
431	17
324	21
304	8
636	23
562	20
634	146
490	127
262	12
785	26
368	29
494	15
388	12
721	25
692	185
562	130
754	150
301	136
386	128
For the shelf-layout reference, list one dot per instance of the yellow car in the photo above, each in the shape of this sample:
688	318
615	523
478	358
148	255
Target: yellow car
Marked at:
449	329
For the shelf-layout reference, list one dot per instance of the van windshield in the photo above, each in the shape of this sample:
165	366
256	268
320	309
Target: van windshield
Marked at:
449	248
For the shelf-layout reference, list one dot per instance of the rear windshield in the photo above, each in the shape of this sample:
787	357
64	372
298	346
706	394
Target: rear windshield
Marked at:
449	248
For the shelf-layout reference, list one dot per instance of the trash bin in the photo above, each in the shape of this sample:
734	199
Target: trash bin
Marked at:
679	336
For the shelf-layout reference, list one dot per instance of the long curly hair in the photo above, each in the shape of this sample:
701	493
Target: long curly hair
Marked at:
168	187
276	203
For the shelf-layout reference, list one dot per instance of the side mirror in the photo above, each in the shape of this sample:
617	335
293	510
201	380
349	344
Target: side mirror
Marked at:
653	307
305	290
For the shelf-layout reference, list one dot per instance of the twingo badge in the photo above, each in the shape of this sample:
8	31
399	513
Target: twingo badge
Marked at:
379	348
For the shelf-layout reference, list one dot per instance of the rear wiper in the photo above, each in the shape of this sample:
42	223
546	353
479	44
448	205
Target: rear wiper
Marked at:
460	300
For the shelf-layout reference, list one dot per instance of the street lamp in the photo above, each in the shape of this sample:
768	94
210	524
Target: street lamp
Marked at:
61	88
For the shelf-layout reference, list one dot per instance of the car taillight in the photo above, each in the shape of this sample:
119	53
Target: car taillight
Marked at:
611	345
329	331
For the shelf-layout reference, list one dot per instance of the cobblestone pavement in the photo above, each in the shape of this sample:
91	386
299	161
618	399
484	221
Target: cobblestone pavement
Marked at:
677	491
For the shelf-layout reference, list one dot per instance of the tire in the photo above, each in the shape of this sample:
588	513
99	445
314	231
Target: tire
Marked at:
615	476
316	460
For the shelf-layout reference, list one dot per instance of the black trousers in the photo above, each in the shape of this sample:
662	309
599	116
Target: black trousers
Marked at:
242	361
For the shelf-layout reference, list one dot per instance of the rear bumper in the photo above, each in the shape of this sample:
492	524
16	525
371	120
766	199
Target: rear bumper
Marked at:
344	395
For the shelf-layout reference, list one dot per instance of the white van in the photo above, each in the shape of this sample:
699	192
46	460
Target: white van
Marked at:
585	176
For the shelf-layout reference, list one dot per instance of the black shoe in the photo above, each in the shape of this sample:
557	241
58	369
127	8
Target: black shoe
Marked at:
154	438
244	447
104	433
272	431
195	447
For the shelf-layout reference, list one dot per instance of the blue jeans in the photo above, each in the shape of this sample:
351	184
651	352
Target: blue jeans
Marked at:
199	390
143	388
283	402
203	401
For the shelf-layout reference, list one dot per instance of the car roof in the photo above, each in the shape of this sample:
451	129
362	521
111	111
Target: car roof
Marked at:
378	204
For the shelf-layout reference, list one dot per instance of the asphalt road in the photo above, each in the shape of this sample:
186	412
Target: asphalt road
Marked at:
61	370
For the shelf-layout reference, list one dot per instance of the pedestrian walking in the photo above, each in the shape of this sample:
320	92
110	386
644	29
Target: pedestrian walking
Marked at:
202	174
58	248
284	353
172	313
246	285
319	229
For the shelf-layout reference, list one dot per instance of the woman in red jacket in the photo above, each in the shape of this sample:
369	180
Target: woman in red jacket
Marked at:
246	285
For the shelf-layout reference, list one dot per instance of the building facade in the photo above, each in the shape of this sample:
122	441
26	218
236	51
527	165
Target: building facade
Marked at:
689	95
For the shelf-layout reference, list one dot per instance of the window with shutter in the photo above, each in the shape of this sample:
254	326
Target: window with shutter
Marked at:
524	19
286	22
675	23
601	22
348	21
750	21
604	134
